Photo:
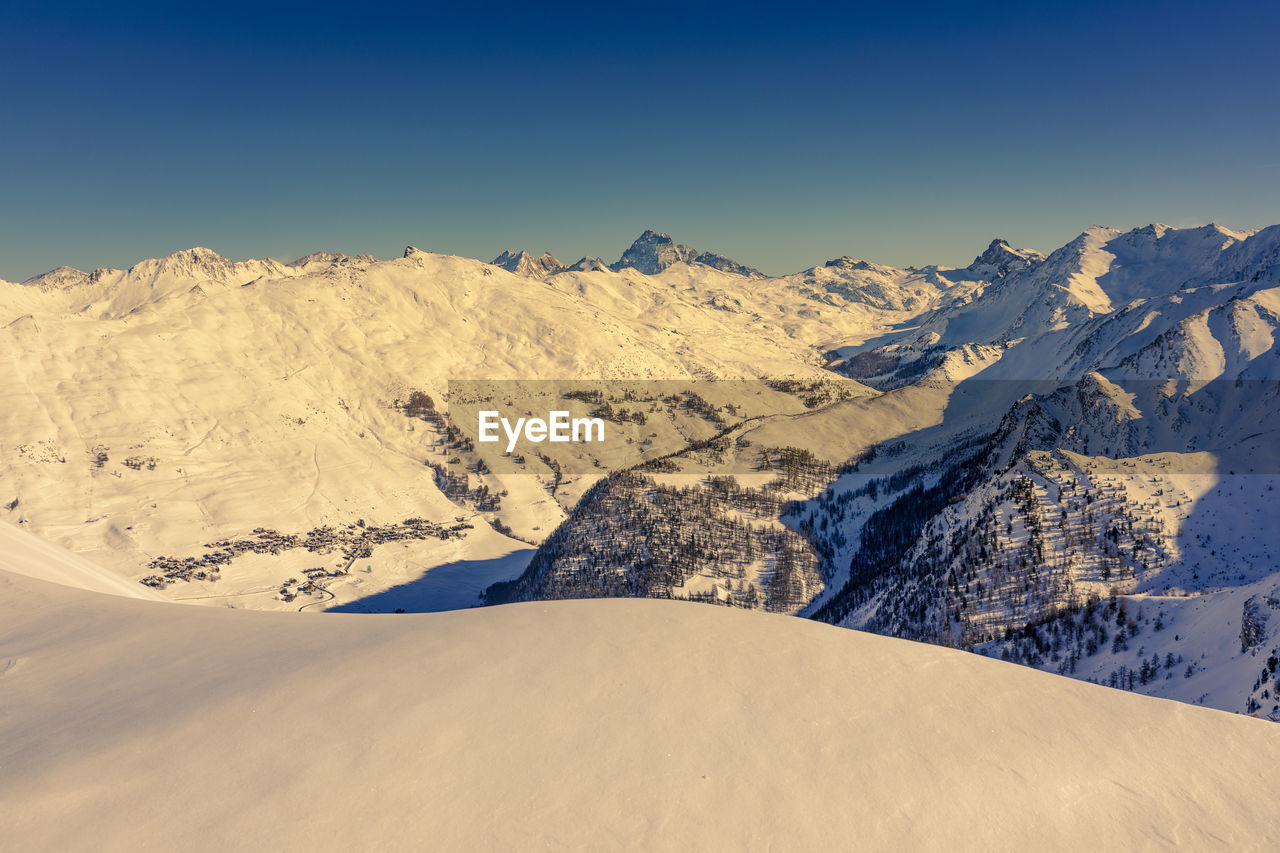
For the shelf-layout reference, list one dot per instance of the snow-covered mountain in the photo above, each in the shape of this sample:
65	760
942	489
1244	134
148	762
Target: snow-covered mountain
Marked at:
1000	259
522	263
323	258
652	253
57	278
154	412
1003	457
1117	524
1039	460
587	264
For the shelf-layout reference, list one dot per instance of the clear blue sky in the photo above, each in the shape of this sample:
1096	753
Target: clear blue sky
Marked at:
780	135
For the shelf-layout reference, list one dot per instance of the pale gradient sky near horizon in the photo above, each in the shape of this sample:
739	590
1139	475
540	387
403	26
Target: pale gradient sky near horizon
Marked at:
780	136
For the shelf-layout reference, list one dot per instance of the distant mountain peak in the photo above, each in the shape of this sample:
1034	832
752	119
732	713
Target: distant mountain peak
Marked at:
329	258
653	252
523	263
587	264
196	261
845	262
63	276
999	259
195	256
197	252
724	264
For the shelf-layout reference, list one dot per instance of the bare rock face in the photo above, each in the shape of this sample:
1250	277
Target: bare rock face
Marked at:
652	253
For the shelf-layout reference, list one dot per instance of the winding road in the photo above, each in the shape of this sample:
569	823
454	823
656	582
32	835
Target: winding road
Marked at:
322	601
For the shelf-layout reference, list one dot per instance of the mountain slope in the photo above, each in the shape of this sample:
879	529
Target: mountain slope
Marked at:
606	724
1117	525
154	412
27	555
1100	274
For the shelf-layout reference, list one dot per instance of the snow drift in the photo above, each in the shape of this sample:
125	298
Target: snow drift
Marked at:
603	724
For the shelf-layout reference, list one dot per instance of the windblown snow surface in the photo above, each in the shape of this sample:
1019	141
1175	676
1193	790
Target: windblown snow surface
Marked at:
603	724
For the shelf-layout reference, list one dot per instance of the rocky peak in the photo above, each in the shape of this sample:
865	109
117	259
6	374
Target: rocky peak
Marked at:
1000	259
331	259
523	263
653	252
724	264
196	262
588	264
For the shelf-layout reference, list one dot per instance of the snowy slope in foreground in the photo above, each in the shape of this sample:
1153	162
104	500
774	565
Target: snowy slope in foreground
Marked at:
25	554
598	724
